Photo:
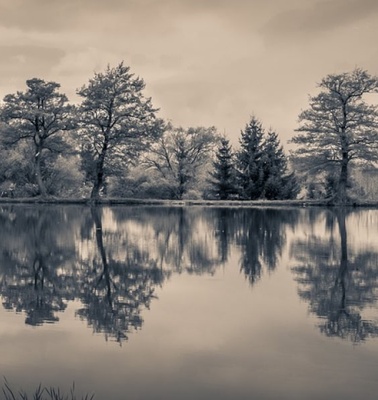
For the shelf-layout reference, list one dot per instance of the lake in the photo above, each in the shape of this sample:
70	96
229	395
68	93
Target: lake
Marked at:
146	302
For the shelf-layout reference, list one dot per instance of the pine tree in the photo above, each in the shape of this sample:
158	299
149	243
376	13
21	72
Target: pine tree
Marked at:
278	184
249	161
223	174
262	165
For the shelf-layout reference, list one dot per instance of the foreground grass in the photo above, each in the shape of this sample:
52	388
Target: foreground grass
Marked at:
41	393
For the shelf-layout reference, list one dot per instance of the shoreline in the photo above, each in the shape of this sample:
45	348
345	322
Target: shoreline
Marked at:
184	203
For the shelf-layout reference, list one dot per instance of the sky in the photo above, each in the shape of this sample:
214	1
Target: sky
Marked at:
204	62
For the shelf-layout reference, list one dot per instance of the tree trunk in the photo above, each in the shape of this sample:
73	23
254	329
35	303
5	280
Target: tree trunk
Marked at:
343	181
99	176
180	190
181	182
38	173
343	178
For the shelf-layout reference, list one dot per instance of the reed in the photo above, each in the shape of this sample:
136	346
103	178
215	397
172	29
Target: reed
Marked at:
41	393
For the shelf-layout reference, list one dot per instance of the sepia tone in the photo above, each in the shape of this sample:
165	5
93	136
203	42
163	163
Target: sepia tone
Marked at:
188	199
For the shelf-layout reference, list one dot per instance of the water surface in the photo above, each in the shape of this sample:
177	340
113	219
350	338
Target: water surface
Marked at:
184	303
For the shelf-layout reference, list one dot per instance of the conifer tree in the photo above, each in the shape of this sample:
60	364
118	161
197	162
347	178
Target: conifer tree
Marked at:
249	161
223	174
262	165
278	184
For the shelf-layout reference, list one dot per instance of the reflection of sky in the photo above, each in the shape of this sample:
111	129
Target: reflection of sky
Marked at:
361	226
126	235
205	337
362	229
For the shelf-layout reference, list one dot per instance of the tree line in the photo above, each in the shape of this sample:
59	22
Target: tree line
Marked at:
114	144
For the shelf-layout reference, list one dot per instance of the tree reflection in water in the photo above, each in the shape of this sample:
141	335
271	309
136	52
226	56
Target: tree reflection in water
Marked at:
261	235
114	292
113	259
337	281
33	251
181	239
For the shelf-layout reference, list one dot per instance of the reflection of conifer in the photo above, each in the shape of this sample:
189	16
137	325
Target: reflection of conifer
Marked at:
261	237
224	227
223	174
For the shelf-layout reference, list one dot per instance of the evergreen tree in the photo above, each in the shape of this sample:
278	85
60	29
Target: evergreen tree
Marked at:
223	174
250	172
278	184
262	165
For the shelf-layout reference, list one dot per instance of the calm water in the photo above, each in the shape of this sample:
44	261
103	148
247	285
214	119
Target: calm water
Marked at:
190	303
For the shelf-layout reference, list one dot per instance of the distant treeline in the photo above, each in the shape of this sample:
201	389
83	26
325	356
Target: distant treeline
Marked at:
113	144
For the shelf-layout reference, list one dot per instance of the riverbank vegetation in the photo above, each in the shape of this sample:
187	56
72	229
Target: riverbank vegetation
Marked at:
113	145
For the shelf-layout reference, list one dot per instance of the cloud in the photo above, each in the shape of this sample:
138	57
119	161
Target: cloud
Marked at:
38	15
79	15
205	62
21	55
157	16
314	18
19	63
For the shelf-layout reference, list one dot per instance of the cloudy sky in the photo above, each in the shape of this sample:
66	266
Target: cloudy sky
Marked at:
205	62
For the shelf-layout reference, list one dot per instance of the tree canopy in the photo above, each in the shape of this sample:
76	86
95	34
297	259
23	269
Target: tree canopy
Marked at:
262	165
250	174
116	120
179	156
39	115
339	127
118	147
223	176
